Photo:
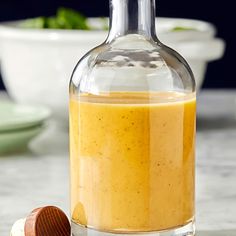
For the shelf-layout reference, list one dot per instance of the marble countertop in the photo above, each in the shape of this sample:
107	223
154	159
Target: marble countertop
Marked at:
41	176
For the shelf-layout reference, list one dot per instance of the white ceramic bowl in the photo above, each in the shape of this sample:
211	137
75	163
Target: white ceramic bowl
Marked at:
36	65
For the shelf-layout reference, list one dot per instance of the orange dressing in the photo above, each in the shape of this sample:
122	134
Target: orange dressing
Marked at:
132	160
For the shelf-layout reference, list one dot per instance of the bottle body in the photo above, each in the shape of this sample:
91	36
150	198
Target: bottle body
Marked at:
132	134
132	161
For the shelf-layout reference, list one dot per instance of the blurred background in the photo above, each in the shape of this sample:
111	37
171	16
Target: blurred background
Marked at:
219	74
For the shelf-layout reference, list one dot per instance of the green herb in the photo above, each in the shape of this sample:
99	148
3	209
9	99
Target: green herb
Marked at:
70	19
37	23
180	28
64	19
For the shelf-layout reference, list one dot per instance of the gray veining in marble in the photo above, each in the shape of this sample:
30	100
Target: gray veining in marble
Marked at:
41	177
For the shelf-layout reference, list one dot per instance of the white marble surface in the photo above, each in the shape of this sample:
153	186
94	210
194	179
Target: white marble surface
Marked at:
41	176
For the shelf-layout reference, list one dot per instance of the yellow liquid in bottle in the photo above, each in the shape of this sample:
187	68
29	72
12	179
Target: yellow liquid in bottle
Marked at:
132	161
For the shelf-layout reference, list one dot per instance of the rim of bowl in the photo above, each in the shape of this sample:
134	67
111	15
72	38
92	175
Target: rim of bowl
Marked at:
10	30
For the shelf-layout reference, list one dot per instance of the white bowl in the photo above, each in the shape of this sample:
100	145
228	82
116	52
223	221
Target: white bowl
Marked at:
36	65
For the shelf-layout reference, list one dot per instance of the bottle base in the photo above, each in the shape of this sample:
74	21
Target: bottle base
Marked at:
186	230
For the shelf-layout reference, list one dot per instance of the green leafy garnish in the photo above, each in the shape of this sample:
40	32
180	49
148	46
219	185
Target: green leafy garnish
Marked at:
37	23
64	19
70	19
180	28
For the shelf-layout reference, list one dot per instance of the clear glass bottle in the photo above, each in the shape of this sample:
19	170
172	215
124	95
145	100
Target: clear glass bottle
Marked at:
132	132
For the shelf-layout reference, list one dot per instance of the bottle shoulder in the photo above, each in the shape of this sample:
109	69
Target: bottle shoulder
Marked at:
132	61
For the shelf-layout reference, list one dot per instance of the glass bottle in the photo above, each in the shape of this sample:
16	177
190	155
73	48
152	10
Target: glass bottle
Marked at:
132	132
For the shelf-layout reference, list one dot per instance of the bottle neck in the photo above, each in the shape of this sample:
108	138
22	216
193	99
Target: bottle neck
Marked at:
132	17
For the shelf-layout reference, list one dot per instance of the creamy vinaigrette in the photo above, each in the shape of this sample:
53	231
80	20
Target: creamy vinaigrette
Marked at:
132	160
